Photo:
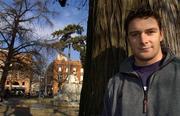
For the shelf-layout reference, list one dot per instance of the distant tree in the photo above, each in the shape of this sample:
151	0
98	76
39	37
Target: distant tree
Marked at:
16	33
71	35
79	44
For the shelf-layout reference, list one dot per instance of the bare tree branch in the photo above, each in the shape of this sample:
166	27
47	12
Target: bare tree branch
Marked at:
6	41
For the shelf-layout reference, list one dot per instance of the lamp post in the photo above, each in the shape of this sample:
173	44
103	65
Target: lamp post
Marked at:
69	57
45	89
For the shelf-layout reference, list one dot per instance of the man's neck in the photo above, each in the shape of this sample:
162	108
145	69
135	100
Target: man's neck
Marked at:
140	62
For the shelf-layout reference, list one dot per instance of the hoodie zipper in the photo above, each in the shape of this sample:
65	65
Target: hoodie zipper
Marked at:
145	88
145	100
145	91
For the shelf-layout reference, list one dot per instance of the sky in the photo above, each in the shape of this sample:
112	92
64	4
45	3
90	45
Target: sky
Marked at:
70	14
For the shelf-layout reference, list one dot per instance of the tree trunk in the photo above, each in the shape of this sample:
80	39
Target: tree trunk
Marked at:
106	45
7	63
105	50
3	79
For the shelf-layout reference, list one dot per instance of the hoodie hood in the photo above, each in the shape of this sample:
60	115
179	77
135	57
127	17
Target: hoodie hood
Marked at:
127	65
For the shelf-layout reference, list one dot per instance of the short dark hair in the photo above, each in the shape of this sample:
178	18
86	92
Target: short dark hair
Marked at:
143	11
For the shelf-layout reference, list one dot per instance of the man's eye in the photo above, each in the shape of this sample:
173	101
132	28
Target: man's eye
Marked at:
134	34
150	32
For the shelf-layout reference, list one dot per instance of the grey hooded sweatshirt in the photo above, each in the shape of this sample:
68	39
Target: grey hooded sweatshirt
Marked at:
125	95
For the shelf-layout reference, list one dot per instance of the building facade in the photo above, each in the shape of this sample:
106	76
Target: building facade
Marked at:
62	69
18	79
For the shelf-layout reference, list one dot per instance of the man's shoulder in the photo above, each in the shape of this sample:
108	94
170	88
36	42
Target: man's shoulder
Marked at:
176	60
115	82
125	66
116	78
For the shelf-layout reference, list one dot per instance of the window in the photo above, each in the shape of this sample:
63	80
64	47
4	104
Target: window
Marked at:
7	82
66	70
81	78
74	69
15	83
82	70
60	69
23	83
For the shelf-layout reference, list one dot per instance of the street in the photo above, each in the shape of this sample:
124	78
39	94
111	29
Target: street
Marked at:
34	107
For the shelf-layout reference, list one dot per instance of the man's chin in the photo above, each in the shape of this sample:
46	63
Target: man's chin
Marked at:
145	58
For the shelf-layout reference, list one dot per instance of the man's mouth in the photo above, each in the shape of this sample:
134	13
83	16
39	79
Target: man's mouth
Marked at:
144	48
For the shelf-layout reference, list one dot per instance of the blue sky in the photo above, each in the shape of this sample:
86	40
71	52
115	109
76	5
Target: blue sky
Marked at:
70	14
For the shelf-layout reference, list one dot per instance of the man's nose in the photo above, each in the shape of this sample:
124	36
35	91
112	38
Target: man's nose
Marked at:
143	38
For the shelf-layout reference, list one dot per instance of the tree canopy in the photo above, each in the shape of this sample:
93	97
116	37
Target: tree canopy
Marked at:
71	35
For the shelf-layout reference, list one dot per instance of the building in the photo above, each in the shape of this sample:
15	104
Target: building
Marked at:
62	69
18	79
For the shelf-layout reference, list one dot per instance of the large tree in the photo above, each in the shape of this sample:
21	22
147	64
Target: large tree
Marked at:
16	33
107	47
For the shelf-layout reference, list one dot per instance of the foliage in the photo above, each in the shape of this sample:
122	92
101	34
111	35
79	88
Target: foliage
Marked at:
68	30
66	38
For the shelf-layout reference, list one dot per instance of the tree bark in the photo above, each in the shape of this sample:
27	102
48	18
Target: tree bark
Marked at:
105	50
7	63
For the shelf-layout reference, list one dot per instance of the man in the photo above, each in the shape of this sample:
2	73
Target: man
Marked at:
148	83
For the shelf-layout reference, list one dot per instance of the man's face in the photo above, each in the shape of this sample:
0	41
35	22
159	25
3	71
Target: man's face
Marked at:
144	37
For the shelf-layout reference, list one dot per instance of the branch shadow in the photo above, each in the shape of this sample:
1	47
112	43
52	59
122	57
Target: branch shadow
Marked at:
66	111
15	108
19	111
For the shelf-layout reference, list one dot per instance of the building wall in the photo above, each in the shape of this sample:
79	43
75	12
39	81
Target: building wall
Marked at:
61	71
22	79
